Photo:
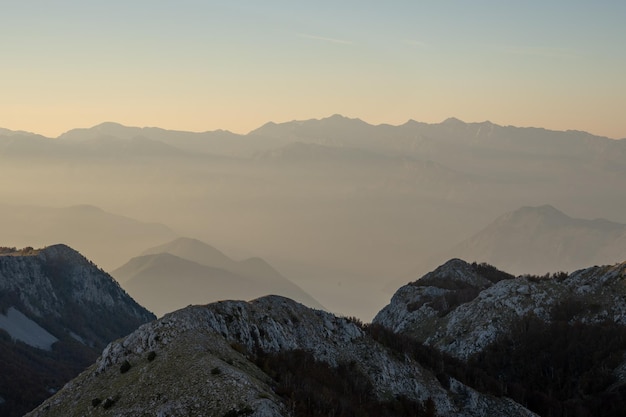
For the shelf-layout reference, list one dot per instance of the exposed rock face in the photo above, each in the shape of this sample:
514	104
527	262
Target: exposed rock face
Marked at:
58	312
421	309
59	284
203	365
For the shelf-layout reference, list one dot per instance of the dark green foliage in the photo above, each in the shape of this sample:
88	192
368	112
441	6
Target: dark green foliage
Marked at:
558	276
125	367
314	388
96	402
27	372
446	302
151	356
355	320
109	402
239	413
490	272
556	369
559	369
459	292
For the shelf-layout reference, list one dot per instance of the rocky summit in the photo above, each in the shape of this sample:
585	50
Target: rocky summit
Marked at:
259	358
462	308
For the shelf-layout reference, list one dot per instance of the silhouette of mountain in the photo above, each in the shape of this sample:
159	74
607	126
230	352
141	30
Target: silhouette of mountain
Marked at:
107	238
542	239
188	271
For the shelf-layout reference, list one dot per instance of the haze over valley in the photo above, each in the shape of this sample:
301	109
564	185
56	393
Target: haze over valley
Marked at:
301	209
344	209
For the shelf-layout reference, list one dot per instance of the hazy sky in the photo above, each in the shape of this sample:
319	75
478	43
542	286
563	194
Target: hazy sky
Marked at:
203	65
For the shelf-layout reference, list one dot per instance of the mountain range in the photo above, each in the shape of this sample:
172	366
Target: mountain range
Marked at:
331	203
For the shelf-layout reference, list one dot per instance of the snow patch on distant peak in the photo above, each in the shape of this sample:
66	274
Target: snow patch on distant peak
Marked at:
25	330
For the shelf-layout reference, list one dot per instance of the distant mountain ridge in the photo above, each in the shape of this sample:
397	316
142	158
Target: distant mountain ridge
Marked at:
188	271
371	201
542	239
85	226
57	312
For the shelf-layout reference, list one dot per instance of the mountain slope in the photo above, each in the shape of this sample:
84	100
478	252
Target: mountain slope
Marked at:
165	282
187	271
556	342
57	311
230	348
542	239
106	238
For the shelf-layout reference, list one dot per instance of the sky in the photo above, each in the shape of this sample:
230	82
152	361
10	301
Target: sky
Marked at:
203	65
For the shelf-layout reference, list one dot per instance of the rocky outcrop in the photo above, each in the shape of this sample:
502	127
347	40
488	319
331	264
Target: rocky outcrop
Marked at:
57	312
203	362
491	309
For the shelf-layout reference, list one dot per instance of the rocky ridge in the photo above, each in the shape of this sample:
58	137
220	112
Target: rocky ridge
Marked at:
214	346
465	318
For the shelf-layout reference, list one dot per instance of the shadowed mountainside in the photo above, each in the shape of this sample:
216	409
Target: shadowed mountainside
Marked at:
57	312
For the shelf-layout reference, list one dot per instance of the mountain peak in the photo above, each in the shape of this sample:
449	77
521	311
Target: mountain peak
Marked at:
454	274
109	125
453	121
545	215
64	253
545	209
540	239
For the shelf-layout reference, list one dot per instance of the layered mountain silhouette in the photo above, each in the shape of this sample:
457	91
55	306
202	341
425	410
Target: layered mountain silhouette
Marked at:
188	271
109	239
541	239
335	194
58	311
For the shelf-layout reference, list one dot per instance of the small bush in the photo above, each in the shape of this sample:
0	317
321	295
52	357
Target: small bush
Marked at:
151	356
125	367
108	403
96	402
216	371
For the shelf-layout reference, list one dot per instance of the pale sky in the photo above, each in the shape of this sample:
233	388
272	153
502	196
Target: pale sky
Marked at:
203	65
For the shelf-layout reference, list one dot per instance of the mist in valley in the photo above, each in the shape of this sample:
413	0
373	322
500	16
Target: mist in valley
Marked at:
345	210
